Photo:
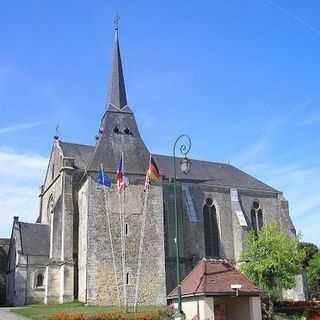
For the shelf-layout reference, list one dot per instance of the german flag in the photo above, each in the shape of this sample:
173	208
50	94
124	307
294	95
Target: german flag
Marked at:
153	174
153	171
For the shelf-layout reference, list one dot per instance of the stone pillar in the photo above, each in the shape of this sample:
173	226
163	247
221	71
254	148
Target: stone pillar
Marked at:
255	308
59	272
52	283
67	265
52	269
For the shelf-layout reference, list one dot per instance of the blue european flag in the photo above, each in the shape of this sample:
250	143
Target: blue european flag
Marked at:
103	178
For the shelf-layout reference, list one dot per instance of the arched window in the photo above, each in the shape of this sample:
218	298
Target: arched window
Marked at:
211	229
39	280
256	216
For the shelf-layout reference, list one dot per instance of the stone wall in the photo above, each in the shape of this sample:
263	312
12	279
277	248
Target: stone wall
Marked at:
231	234
82	248
23	289
4	248
100	276
35	266
10	292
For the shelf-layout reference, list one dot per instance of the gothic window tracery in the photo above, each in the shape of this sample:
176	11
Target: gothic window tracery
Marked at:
211	229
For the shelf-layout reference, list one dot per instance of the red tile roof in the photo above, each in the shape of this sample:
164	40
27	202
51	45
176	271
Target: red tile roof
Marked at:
215	277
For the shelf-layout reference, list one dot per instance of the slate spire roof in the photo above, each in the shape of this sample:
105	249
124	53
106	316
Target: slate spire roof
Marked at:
117	97
119	133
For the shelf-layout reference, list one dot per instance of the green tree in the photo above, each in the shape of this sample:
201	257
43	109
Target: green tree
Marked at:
272	259
313	274
310	250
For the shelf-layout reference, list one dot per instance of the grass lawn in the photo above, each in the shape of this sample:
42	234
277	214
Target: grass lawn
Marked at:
41	312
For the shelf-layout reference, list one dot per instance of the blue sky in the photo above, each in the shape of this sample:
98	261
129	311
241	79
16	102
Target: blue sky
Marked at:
241	77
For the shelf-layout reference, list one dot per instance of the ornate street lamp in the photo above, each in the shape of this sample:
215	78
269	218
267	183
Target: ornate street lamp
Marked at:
185	166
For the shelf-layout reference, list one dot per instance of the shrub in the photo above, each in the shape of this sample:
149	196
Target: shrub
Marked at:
313	315
161	314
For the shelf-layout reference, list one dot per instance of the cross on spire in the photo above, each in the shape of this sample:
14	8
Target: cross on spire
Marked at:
116	22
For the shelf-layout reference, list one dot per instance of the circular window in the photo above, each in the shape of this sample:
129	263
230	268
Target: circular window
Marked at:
256	204
127	131
116	130
209	202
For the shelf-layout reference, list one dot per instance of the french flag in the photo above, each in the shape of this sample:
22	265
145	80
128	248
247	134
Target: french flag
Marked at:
122	180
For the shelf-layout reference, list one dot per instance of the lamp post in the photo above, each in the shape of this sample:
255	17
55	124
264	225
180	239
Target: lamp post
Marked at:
185	166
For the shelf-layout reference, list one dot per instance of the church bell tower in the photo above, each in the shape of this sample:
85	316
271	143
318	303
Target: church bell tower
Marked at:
115	266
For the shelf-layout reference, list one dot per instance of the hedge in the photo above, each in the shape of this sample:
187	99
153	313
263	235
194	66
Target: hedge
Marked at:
150	315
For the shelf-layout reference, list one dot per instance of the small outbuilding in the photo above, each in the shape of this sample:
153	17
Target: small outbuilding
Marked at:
215	290
28	258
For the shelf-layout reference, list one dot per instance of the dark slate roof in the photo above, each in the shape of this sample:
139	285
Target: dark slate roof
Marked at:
120	134
80	152
215	277
117	98
35	238
213	173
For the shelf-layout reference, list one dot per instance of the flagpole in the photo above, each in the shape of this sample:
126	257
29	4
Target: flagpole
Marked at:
110	233
120	186
124	237
146	189
124	252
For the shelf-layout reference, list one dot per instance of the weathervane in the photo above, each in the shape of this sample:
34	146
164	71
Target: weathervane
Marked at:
57	132
116	22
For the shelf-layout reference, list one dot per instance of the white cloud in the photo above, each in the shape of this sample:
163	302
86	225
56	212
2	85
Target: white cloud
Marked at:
20	177
19	127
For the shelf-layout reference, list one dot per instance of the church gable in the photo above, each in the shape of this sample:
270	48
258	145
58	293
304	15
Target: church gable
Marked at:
54	165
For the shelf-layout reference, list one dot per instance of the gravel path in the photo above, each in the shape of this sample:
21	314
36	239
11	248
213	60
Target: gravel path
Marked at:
5	314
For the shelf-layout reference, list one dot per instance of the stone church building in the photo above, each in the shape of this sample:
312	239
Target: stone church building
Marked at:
74	249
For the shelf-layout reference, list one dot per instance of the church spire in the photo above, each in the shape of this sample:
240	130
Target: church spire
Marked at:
119	133
117	97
